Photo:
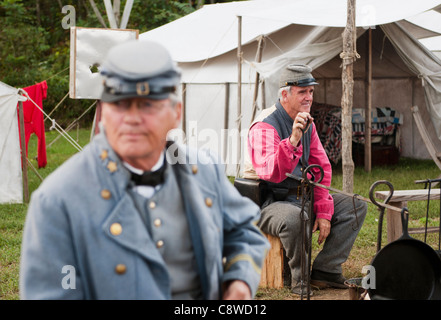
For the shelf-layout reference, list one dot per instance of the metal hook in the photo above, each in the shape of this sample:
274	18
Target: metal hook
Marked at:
309	170
380	208
355	212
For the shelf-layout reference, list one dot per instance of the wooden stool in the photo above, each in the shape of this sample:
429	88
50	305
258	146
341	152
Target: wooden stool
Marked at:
272	269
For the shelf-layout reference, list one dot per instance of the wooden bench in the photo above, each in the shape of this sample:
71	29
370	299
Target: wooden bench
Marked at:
399	199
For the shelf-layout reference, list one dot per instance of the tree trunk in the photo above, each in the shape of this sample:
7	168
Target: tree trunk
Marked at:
348	56
37	11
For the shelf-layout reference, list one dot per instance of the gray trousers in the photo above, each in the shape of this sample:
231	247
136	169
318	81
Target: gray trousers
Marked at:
282	219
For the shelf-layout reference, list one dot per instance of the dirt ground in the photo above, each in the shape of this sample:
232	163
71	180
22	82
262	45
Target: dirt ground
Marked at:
327	294
317	294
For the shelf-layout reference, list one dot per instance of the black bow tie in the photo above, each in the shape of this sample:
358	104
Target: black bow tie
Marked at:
149	178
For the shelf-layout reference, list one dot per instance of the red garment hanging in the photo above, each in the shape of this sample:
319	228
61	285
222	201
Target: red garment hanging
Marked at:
34	119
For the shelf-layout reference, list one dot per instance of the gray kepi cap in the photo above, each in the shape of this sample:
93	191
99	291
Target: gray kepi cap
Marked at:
138	68
297	75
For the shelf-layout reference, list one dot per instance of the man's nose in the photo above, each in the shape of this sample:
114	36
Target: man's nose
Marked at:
133	112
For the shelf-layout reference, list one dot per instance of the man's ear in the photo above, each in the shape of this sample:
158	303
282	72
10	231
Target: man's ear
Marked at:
285	93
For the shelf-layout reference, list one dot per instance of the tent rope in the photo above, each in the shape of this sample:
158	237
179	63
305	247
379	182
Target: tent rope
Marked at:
280	49
349	57
59	103
70	126
208	58
57	73
55	125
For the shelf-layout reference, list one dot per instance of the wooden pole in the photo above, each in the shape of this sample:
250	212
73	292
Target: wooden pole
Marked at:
24	162
110	14
348	57
184	109
256	85
368	109
126	14
239	93
97	13
226	119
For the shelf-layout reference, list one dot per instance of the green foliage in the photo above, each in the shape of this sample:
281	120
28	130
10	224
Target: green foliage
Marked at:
35	47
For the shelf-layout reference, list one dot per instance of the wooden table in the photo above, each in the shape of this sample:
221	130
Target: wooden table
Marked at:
399	199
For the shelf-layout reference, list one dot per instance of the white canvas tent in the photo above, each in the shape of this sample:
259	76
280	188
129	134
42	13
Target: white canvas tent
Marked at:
11	190
430	20
204	44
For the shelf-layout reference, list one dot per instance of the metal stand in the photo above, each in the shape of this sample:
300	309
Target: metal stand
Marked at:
307	217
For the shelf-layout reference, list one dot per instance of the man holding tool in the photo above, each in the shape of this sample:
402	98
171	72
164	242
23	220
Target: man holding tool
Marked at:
275	148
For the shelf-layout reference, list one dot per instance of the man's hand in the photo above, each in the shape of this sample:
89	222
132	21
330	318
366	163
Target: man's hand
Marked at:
236	290
324	226
301	122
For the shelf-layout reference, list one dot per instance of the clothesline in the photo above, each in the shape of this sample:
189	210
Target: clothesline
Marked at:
57	73
74	122
55	125
59	103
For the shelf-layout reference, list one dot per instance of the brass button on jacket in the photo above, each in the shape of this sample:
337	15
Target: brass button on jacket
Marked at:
157	222
208	202
104	154
112	166
116	229
106	194
120	268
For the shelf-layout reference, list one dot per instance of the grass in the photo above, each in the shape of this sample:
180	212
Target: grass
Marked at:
402	176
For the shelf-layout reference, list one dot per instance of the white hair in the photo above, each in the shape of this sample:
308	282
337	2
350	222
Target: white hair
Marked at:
286	88
174	99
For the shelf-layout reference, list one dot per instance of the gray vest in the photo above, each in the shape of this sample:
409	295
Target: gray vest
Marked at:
282	122
167	223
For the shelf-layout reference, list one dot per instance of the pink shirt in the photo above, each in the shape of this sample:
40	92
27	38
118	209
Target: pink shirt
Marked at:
272	158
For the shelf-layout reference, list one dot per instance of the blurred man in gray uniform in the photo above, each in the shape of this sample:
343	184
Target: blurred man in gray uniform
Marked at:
133	216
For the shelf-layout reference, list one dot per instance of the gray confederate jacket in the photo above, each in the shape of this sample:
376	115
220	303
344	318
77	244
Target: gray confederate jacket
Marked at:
85	239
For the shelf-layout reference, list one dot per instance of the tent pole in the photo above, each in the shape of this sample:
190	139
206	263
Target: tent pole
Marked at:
348	56
226	119
24	162
110	14
184	109
367	122
256	85
239	93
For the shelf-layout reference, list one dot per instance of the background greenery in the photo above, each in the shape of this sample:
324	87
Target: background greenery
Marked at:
35	47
